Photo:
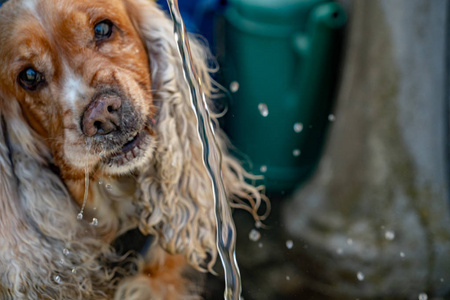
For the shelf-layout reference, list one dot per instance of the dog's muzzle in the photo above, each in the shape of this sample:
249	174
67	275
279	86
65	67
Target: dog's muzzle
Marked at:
103	116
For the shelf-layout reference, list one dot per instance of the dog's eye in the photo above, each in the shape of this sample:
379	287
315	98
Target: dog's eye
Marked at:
103	30
30	79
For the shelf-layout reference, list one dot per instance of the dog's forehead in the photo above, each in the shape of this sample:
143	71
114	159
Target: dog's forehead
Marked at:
54	12
32	26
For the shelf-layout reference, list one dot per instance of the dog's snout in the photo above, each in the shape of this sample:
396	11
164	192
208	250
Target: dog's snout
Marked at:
102	116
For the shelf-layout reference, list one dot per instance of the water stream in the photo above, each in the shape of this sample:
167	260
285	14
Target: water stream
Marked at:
86	181
212	159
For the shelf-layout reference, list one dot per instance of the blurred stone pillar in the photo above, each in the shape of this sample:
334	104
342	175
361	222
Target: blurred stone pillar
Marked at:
375	218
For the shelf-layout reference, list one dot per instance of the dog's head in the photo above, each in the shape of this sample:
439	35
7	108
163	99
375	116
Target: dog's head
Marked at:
80	73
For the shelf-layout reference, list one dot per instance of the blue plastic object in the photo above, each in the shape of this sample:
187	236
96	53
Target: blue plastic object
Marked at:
199	16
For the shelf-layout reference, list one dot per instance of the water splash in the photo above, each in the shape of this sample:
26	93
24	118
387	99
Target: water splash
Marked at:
298	127
389	235
254	235
86	181
289	244
94	222
263	109
234	86
57	279
423	296
263	169
360	276
212	159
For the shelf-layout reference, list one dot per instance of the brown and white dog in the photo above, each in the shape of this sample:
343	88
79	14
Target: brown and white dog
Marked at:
96	87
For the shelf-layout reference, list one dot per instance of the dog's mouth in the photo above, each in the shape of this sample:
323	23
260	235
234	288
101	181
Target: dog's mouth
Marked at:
132	150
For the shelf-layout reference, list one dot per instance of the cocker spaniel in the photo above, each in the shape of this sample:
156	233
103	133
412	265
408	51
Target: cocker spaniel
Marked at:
97	137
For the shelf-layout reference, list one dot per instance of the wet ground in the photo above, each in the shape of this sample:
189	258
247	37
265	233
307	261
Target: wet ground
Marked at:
269	268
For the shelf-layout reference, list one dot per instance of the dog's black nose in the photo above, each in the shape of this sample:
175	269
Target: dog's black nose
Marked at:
102	116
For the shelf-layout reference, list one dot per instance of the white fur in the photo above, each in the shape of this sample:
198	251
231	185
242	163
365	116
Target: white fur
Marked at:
73	89
30	6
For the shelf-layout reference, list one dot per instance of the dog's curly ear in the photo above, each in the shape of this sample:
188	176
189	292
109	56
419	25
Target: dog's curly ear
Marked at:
38	225
177	194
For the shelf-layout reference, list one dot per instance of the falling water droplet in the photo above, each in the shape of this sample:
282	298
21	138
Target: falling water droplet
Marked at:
100	182
298	127
389	235
331	118
288	278
350	241
86	180
108	187
260	245
263	169
262	107
57	279
258	224
234	86
94	222
289	244
423	296
296	152
254	235
360	276
402	254
442	279
66	251
339	251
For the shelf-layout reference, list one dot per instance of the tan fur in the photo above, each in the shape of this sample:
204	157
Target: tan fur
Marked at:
45	252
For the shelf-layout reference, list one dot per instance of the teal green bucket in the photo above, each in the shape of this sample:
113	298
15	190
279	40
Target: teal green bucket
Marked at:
280	64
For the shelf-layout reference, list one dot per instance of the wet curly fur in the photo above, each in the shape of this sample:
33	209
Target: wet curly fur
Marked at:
45	252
